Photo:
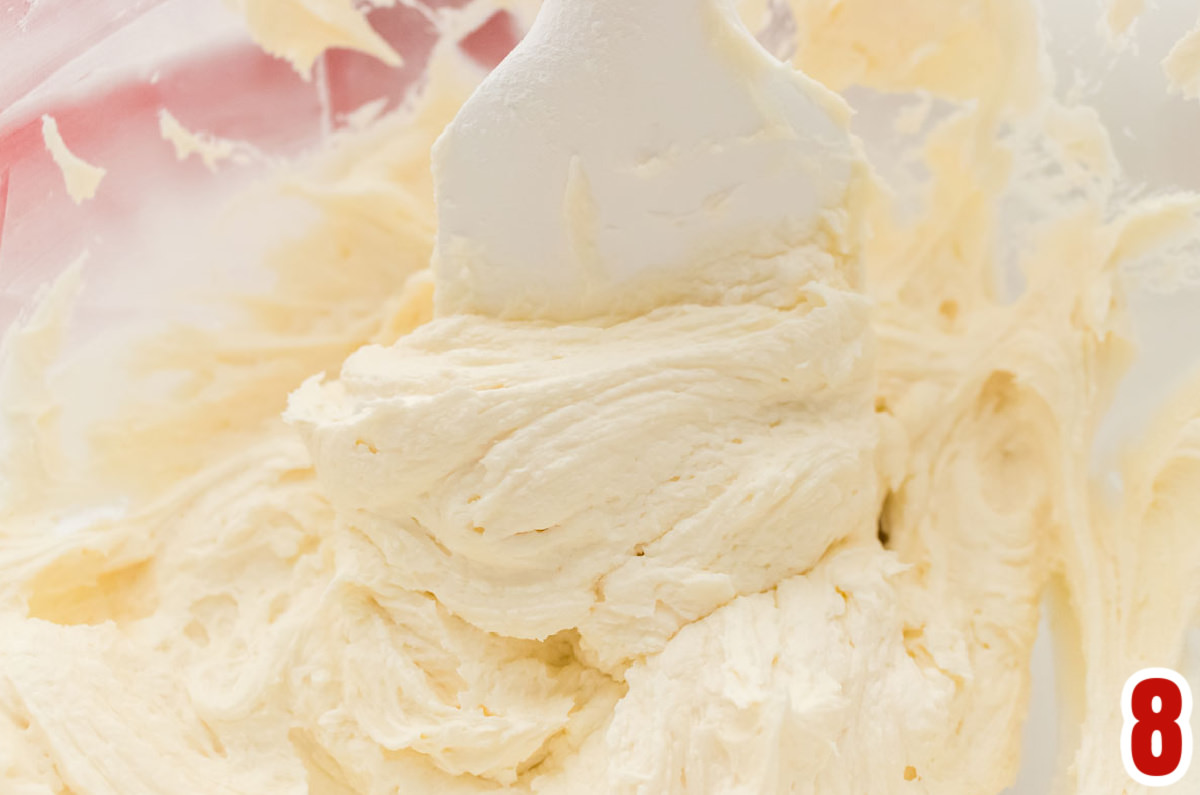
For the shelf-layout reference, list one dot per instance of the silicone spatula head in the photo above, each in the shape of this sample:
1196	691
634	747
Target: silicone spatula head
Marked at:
623	150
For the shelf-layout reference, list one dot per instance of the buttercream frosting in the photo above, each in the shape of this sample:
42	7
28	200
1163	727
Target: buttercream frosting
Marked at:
679	447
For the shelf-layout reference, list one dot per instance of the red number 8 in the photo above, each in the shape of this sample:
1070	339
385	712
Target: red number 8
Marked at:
1169	722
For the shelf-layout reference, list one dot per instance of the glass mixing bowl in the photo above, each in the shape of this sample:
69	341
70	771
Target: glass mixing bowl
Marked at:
104	69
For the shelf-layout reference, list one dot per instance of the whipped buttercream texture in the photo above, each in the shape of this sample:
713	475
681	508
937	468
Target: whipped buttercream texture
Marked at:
675	449
483	457
81	177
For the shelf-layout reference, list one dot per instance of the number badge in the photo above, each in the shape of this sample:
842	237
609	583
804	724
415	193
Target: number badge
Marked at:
1156	739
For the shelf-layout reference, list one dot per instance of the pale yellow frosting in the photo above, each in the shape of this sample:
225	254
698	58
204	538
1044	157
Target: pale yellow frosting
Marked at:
1182	64
81	177
301	30
785	529
209	148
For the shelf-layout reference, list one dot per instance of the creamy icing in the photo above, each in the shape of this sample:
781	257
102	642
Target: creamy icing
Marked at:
1182	64
81	177
300	30
209	148
781	525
